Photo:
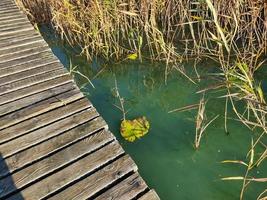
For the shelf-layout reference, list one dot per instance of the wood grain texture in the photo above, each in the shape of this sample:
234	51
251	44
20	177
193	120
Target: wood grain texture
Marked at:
12	39
55	99
22	54
72	172
27	59
21	159
125	190
36	88
19	41
38	70
33	138
6	88
39	62
96	182
56	161
29	100
44	119
22	48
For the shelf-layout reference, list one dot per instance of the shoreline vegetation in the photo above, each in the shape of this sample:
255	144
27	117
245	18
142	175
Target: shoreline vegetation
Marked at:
233	33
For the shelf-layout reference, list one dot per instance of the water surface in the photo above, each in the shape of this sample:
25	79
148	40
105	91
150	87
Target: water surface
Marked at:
166	157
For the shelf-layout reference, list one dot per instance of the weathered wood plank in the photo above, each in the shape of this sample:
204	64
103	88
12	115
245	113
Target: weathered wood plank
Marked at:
11	21
16	33
26	66
61	97
5	17
58	160
7	29
27	59
20	42
9	9
44	119
20	160
125	190
11	12
37	88
96	182
29	100
21	48
49	67
4	4
72	172
33	80
33	138
13	26
151	195
23	54
11	37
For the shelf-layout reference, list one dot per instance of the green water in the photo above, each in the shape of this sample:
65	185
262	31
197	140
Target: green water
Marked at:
166	157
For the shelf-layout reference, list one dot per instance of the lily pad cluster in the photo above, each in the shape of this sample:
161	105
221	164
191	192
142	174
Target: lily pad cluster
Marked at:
134	129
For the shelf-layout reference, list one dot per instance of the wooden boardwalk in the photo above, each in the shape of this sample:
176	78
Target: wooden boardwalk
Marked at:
53	143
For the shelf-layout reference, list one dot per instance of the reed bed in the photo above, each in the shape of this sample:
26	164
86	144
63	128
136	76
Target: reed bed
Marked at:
231	32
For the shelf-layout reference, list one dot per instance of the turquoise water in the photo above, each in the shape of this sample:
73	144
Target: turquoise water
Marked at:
166	157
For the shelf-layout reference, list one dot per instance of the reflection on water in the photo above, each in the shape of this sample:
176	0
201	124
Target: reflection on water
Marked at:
166	157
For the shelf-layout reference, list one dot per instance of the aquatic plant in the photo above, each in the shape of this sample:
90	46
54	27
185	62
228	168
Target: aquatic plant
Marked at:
134	129
130	129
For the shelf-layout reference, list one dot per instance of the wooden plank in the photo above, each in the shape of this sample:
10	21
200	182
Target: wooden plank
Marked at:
98	181
37	88
44	119
26	66
16	13
12	37
29	100
44	167
13	26
15	33
33	138
33	80
21	48
27	59
20	42
6	4
61	97
6	18
125	190
22	159
151	195
23	53
48	67
11	21
71	173
8	9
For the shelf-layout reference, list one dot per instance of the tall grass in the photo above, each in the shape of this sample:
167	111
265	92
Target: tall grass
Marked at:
231	32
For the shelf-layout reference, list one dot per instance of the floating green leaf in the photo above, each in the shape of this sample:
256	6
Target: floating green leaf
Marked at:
134	129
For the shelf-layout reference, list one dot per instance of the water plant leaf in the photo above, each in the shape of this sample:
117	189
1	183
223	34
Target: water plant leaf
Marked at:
132	56
134	129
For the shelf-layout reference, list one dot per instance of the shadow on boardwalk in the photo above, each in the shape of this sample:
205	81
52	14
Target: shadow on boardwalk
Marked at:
6	182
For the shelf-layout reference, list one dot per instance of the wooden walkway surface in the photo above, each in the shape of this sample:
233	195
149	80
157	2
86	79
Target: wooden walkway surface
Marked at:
53	143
